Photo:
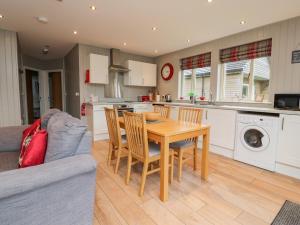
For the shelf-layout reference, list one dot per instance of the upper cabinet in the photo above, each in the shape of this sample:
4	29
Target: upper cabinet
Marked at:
140	74
98	69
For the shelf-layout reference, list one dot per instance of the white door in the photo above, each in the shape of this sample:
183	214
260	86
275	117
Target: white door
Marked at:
135	75
149	74
288	151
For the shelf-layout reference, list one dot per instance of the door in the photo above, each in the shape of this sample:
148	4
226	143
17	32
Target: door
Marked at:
98	69
288	151
149	74
55	90
135	75
33	95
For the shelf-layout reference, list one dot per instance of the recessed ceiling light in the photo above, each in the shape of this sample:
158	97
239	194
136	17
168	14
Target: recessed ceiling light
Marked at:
243	22
154	28
42	19
188	40
92	7
124	43
156	51
1	16
75	32
209	1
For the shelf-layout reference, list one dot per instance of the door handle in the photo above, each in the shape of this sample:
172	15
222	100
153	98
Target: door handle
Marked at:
206	114
282	124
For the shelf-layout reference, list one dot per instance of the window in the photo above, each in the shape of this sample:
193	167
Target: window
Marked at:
246	80
195	76
245	72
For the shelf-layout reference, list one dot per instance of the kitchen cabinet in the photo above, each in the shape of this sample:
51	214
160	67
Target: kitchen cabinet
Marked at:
288	151
96	121
140	74
98	69
222	131
174	112
143	107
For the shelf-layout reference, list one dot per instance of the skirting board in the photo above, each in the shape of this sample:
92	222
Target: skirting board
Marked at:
287	170
98	137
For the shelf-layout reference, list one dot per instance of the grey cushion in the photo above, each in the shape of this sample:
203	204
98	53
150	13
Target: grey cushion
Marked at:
8	161
181	144
46	117
10	138
64	135
154	149
85	145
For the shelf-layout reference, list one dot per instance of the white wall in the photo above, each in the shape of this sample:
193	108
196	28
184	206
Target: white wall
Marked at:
10	112
285	77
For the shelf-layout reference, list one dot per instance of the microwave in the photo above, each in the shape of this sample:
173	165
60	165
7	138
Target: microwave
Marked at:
287	101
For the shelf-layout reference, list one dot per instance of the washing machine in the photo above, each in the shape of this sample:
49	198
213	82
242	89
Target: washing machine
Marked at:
256	139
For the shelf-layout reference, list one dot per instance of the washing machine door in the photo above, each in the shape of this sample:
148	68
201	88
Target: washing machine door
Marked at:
255	138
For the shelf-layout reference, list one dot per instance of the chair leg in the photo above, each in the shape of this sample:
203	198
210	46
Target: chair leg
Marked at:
109	154
180	162
118	160
128	168
195	158
144	175
172	168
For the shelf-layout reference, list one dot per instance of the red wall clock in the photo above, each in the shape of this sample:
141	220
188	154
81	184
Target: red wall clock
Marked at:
167	71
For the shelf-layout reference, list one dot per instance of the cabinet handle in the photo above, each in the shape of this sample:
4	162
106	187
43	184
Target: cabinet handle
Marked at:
206	114
282	124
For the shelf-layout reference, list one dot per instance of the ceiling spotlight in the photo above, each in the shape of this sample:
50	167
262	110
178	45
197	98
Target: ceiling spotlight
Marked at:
209	1
1	16
92	7
243	22
154	28
42	19
124	43
188	40
156	51
45	50
75	32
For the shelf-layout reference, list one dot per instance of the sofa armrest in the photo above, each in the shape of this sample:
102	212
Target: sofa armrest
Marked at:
31	178
58	192
10	138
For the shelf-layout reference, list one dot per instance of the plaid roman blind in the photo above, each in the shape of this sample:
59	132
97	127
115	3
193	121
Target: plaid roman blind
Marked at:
197	61
248	51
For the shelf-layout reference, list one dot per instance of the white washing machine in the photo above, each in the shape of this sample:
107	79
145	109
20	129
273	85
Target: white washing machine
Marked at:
256	140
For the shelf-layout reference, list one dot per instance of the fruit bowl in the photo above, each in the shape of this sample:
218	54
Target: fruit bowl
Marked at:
152	116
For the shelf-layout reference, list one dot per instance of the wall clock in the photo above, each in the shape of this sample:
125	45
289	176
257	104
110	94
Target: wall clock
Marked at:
167	71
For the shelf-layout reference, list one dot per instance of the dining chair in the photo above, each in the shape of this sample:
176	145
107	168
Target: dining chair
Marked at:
117	142
187	115
163	110
141	150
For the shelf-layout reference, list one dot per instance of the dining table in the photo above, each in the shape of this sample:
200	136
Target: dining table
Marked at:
166	131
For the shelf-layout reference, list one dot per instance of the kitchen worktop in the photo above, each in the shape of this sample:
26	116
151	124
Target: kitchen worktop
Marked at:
225	107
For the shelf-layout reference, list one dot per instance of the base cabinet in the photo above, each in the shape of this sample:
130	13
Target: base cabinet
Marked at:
143	107
288	151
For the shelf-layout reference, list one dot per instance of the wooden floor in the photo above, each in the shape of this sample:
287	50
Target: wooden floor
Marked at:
235	193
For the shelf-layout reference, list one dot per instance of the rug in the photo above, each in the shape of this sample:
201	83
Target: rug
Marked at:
289	214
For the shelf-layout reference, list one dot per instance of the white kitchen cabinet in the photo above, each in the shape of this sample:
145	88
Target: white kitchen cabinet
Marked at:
140	74
98	69
96	121
222	131
288	151
174	112
143	107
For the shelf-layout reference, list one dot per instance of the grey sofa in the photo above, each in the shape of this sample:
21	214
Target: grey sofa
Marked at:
58	192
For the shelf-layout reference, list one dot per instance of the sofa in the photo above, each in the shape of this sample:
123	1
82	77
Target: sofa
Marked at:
59	192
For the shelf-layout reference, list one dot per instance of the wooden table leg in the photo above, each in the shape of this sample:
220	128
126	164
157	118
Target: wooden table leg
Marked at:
205	149
164	169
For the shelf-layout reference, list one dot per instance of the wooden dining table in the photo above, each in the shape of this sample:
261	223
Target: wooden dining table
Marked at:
166	131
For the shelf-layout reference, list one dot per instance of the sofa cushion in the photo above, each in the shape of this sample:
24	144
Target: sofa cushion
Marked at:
10	138
64	135
46	117
8	161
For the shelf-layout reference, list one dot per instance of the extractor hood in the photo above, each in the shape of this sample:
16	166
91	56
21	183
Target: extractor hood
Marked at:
115	61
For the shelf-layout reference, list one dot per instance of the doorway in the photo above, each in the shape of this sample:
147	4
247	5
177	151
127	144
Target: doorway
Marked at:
55	90
33	95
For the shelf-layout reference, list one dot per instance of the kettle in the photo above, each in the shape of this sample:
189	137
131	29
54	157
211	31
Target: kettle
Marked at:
168	98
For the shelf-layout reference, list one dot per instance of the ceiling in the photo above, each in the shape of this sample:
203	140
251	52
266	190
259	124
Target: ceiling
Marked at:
117	21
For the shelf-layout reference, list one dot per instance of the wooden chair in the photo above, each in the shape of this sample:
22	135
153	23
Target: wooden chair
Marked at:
188	115
141	150
117	142
163	110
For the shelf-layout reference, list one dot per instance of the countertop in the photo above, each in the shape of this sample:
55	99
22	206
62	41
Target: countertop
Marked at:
225	107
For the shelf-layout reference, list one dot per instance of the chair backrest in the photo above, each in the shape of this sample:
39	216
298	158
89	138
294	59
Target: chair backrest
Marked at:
190	115
136	135
113	126
163	110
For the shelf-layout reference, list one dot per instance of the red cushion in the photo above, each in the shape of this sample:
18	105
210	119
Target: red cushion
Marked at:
29	132
34	149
